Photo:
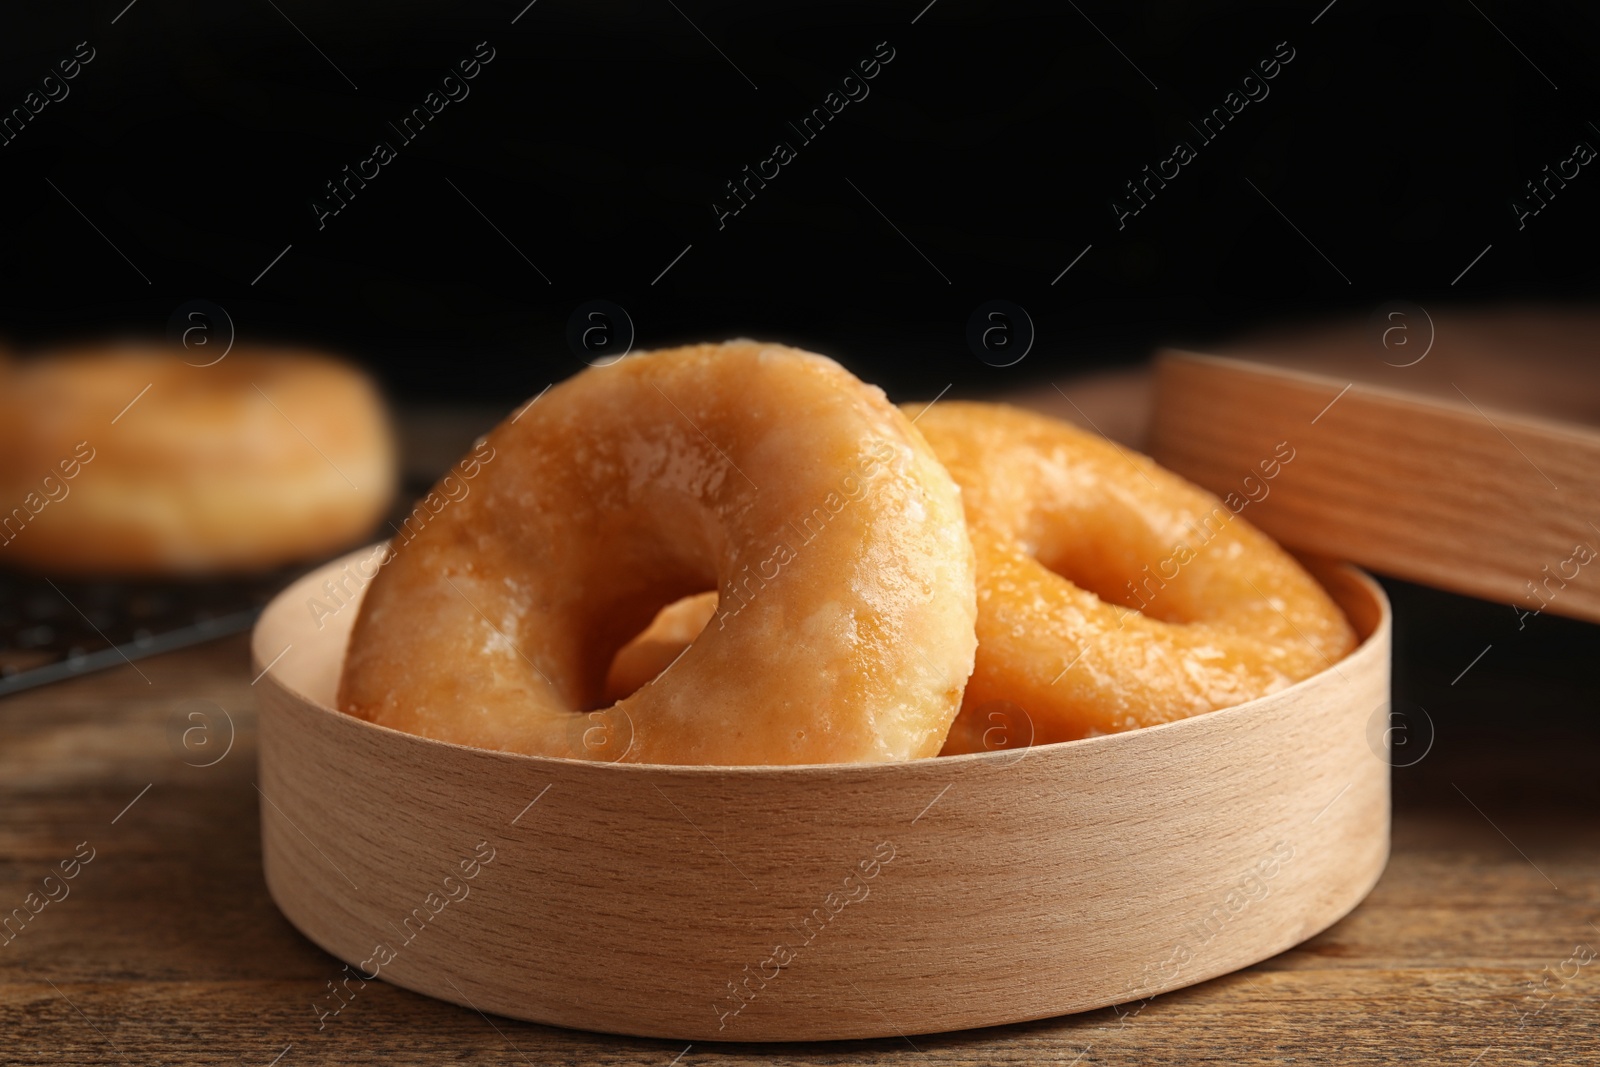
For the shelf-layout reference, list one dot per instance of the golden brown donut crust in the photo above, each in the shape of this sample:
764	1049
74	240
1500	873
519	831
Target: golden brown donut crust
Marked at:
1112	593
844	629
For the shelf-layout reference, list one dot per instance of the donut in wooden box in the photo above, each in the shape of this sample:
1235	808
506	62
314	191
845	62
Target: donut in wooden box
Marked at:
821	902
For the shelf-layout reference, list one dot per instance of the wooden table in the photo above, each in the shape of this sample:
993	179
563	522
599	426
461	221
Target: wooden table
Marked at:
168	949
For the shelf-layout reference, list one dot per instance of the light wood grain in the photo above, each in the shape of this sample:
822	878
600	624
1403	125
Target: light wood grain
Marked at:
1463	497
627	898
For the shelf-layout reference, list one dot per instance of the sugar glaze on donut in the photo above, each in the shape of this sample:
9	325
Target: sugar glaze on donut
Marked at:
1112	593
811	504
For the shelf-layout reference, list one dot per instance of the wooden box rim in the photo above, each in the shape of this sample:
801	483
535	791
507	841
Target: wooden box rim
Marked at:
259	661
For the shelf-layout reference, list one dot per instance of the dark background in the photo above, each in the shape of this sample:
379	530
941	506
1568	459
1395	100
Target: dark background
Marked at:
598	137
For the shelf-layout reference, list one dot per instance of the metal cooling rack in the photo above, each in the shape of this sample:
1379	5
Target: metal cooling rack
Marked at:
52	629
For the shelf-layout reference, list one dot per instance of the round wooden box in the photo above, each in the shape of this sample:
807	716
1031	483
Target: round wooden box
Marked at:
821	902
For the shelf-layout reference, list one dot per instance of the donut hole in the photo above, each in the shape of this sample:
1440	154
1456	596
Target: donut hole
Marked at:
1112	573
642	658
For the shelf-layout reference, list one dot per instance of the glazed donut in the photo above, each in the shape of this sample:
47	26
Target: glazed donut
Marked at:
126	460
1113	594
845	622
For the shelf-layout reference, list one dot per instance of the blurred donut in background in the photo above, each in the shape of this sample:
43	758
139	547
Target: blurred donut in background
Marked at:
126	460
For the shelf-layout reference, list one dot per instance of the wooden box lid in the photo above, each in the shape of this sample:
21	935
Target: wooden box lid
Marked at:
1465	456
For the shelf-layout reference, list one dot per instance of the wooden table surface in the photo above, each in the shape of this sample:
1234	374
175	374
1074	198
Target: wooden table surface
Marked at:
1473	949
167	948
